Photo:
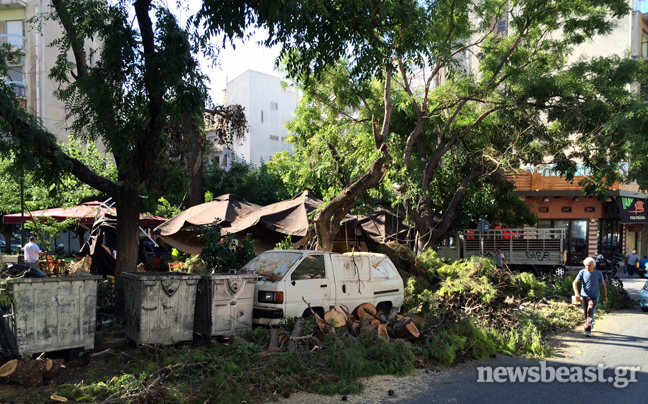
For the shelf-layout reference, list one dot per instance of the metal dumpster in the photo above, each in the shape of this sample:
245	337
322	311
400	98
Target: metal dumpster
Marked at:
49	314
224	304
160	307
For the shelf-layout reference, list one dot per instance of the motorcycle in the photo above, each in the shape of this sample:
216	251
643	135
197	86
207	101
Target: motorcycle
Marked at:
607	267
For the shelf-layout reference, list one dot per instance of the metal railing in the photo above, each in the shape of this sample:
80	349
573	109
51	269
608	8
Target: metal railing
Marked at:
16	41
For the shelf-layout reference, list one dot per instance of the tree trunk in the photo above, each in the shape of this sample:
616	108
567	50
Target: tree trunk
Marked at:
327	221
196	173
127	232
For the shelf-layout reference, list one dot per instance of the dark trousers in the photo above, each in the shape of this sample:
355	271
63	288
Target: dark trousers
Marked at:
630	269
589	307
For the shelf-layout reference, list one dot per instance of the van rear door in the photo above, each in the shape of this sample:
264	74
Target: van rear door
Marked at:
353	280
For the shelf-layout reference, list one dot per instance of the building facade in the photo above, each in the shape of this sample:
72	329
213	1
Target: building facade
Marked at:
268	107
28	74
615	225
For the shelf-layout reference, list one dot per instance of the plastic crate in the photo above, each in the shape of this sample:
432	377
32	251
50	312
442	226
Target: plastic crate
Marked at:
159	307
49	314
224	304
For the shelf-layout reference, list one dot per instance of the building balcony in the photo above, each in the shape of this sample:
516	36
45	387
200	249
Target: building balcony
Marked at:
533	184
12	4
16	41
19	88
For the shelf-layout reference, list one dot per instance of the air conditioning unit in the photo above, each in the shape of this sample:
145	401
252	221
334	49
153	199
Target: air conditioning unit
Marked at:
15	59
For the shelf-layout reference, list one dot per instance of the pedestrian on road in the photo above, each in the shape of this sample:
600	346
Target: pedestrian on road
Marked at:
33	253
631	262
593	282
501	259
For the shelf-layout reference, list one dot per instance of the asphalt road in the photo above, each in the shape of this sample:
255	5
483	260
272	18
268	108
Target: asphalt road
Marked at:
619	340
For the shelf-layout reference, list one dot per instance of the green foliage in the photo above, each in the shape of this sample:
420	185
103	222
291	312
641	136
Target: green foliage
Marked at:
165	209
6	296
47	229
224	252
285	244
618	298
254	184
236	373
529	286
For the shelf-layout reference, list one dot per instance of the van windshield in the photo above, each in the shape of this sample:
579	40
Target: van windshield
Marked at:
272	264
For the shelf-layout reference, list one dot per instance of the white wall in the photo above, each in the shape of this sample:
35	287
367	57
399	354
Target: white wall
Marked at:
267	108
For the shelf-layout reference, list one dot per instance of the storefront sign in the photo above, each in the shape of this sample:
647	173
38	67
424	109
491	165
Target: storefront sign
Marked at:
632	210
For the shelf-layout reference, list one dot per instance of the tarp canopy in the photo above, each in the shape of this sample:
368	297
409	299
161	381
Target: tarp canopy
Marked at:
226	208
383	226
87	213
288	217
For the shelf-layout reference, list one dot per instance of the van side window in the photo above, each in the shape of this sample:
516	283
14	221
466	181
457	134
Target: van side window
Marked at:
312	267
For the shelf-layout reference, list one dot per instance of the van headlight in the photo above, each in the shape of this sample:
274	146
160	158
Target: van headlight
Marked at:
270	297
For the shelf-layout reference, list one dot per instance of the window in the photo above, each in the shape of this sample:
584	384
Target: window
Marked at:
274	106
262	116
566	209
283	139
543	209
590	209
312	267
15	74
644	46
16	34
272	137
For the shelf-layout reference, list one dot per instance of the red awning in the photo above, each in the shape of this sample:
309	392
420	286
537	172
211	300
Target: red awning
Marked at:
86	213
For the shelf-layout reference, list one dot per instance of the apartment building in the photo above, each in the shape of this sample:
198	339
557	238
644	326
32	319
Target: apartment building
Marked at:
268	107
28	74
617	224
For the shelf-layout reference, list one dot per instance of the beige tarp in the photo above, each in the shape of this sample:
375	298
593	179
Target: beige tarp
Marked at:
288	217
226	208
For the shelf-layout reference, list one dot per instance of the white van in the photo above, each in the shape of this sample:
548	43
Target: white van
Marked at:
289	279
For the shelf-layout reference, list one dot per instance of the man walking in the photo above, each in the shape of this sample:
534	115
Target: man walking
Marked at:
593	282
631	262
32	253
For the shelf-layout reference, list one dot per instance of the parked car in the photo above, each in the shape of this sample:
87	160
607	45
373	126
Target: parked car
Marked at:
643	297
290	280
643	267
153	251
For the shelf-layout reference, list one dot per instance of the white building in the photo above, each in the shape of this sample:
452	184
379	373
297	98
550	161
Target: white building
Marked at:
268	107
28	74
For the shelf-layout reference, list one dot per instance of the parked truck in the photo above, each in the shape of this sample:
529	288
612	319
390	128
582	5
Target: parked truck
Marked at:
539	250
291	280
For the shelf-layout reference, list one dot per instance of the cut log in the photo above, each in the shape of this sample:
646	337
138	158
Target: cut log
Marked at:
319	320
56	365
393	313
297	331
406	329
274	339
8	368
366	321
366	310
235	338
382	332
29	372
335	317
353	326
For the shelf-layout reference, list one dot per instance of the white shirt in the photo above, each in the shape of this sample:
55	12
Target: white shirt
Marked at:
31	252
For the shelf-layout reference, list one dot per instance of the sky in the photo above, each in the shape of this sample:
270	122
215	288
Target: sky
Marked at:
247	56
